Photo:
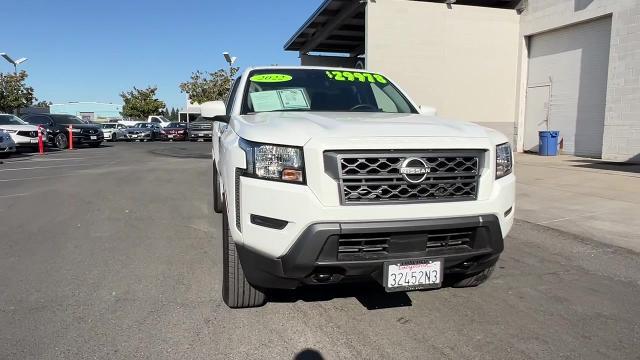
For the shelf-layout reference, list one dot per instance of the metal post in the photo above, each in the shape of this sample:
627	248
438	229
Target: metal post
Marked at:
40	141
70	137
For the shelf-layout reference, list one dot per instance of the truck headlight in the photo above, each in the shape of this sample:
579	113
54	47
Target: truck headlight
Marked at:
274	162
504	160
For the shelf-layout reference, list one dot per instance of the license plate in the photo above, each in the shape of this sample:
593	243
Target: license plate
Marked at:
94	138
34	141
170	136
413	274
200	135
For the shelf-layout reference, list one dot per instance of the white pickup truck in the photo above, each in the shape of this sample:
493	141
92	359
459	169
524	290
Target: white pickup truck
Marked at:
327	175
158	119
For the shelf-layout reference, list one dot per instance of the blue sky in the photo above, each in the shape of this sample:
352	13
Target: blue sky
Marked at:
88	50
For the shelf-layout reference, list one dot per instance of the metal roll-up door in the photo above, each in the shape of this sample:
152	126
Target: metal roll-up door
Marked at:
567	86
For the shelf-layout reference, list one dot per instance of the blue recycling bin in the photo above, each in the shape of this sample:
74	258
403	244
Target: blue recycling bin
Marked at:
548	143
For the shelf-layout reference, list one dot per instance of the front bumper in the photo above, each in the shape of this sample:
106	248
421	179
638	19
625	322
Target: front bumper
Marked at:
177	136
318	251
300	207
200	134
24	141
6	148
87	139
141	136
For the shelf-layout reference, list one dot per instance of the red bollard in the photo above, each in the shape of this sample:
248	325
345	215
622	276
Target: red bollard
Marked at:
70	137
40	142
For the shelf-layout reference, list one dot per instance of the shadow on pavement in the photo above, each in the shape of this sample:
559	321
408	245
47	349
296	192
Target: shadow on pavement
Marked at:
607	165
183	152
371	295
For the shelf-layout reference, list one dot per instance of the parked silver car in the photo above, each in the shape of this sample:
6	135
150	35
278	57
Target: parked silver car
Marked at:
144	131
7	146
114	132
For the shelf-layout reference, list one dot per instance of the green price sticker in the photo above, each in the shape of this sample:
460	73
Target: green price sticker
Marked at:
356	76
271	78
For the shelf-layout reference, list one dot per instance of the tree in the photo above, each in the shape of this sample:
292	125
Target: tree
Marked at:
211	86
14	93
141	103
43	104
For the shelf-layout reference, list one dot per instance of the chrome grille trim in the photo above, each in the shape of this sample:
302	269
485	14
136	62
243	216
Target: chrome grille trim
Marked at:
374	177
201	126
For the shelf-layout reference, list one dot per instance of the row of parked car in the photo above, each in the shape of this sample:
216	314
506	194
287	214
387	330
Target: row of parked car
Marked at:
23	132
145	131
159	128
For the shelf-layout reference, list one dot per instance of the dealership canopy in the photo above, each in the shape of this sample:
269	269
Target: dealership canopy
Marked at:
337	27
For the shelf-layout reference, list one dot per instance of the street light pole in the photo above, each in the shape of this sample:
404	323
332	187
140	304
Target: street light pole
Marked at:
15	63
230	60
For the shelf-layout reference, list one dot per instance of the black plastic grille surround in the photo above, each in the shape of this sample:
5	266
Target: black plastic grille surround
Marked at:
376	177
379	245
27	133
89	131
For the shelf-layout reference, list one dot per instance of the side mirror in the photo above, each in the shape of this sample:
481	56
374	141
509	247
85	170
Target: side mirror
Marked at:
222	118
427	110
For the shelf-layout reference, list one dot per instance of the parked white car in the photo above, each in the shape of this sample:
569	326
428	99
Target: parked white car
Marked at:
7	146
328	175
22	133
114	131
158	119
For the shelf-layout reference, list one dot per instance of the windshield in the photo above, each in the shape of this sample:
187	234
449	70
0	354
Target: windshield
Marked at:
68	119
143	125
7	119
109	126
177	125
322	90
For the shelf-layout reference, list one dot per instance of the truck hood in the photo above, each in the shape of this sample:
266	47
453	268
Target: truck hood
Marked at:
297	128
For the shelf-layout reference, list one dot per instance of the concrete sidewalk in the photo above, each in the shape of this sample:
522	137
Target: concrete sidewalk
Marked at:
586	197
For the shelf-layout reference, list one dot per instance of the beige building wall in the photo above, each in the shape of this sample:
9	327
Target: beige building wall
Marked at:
462	60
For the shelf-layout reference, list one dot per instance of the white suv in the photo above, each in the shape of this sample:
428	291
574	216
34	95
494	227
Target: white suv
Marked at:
327	175
23	134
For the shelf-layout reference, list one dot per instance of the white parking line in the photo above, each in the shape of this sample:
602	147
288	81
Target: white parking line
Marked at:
12	195
37	158
572	217
40	159
47	167
37	177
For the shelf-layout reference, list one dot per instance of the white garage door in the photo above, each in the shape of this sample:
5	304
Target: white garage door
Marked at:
567	86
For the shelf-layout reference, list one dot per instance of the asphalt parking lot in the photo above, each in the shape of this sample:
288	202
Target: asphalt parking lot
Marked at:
114	253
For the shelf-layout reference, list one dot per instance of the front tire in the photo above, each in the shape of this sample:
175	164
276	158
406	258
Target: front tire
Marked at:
476	279
218	205
236	290
61	141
